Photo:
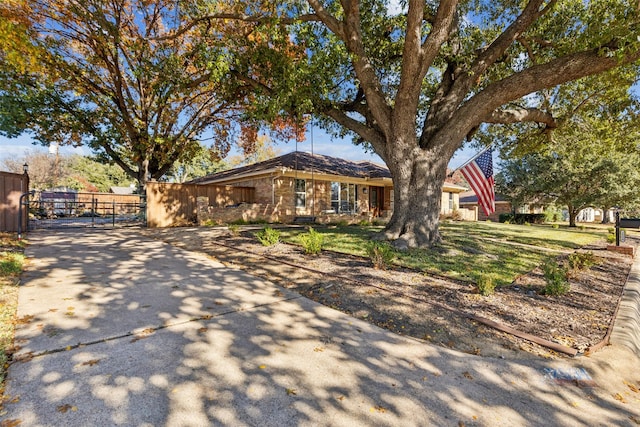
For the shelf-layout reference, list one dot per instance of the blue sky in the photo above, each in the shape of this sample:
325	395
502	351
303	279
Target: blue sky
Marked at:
322	144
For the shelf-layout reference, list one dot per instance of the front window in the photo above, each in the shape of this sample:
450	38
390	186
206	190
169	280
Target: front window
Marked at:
301	193
450	201
343	197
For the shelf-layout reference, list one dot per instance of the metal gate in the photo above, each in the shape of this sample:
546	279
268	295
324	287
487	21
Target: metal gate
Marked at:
68	209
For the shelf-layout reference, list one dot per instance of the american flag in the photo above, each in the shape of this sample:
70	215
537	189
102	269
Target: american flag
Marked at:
479	175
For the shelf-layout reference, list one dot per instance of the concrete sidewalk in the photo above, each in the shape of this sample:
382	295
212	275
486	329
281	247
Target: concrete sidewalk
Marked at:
117	329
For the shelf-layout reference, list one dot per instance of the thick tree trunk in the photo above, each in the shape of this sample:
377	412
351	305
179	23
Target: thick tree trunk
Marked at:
573	213
605	216
418	178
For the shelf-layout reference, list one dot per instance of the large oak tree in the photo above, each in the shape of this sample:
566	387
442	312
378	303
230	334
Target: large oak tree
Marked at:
97	72
415	84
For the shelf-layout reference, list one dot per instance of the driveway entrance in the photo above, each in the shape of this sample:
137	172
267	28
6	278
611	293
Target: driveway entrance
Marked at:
67	209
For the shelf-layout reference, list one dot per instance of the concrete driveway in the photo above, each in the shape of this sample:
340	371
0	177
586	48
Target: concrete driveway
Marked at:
118	329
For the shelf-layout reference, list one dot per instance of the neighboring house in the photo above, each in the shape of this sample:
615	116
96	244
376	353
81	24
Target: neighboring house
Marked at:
591	215
303	184
469	200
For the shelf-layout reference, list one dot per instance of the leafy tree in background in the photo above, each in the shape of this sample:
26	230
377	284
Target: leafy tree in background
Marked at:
98	73
203	163
81	173
414	85
591	161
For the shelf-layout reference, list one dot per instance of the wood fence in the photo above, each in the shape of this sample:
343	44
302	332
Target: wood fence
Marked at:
176	204
12	186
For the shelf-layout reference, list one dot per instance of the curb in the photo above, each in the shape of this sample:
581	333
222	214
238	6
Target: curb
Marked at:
626	327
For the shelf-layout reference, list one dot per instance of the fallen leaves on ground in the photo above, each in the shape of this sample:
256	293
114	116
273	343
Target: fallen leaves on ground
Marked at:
91	362
619	398
24	319
632	387
143	334
66	407
291	392
379	408
10	423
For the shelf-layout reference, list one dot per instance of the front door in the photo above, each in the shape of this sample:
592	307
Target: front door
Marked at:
376	200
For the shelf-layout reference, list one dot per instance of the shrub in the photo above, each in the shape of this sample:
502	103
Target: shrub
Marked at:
611	238
381	254
581	261
209	223
552	214
556	278
364	223
506	218
486	285
312	242
234	229
555	226
268	236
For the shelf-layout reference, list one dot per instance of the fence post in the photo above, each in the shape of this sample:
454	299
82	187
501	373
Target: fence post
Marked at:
93	212
617	228
113	213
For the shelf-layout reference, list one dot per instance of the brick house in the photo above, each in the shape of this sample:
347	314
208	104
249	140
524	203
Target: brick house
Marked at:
469	200
326	188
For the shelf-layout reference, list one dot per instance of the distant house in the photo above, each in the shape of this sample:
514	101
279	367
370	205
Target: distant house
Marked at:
469	200
303	184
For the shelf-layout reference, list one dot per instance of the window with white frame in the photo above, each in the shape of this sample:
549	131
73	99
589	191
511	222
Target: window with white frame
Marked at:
343	197
301	193
450	201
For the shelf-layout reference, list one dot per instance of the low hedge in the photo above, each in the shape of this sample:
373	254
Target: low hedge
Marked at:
521	218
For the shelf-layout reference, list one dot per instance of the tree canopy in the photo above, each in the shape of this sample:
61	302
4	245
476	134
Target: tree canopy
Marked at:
591	158
99	73
414	84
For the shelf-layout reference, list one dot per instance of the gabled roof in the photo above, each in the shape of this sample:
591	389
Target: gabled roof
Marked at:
305	162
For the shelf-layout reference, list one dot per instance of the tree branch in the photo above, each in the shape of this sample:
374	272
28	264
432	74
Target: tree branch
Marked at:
260	19
535	78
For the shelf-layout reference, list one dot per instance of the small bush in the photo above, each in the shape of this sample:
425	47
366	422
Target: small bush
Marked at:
611	230
506	218
364	223
556	278
486	285
611	238
555	226
381	254
342	223
268	236
209	223
581	261
234	229
312	242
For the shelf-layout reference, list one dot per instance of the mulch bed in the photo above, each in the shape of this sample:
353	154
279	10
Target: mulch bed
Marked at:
434	309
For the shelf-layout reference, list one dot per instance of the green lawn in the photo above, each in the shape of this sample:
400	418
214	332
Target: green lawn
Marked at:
469	249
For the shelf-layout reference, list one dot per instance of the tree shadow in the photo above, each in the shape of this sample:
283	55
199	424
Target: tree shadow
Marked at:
130	331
